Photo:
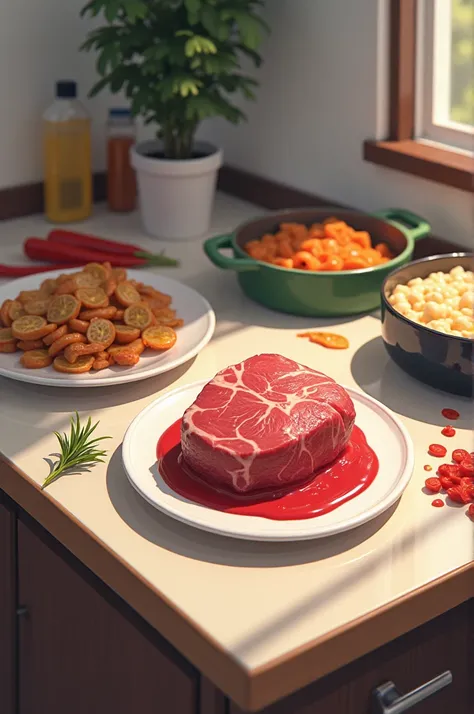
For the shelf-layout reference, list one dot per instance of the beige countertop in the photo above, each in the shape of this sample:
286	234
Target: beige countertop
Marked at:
244	612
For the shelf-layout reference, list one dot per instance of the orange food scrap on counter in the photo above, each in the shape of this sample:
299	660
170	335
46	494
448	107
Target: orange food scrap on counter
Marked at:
327	339
329	246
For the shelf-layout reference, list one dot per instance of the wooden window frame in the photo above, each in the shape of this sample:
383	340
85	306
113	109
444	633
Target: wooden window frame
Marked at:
401	151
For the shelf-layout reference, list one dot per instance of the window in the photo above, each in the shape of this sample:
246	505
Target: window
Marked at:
431	92
445	72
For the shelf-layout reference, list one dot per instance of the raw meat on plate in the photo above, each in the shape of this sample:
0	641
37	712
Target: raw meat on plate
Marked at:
265	424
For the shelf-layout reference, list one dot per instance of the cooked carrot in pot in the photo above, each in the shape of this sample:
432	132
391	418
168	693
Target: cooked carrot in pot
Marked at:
333	262
355	263
329	246
312	245
306	261
284	262
383	249
361	237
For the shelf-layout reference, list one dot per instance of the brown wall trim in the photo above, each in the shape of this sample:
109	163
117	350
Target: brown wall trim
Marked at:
26	200
268	193
429	162
402	68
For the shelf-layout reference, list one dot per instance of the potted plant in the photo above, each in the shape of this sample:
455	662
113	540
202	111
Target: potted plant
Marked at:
178	62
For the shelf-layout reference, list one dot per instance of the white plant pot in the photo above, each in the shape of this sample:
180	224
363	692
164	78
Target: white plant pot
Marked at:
176	197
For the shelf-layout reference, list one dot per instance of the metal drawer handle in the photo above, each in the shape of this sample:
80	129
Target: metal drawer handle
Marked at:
386	699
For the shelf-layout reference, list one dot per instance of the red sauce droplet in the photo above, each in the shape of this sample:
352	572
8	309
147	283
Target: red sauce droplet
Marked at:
448	431
437	503
428	467
437	450
450	414
350	474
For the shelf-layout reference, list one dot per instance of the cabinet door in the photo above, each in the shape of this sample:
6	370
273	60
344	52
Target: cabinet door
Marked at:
211	699
442	644
7	609
78	654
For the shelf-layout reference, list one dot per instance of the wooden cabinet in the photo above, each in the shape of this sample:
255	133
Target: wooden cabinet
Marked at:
78	653
7	608
444	643
68	644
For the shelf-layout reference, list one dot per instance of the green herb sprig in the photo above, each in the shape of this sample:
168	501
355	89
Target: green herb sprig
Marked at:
77	448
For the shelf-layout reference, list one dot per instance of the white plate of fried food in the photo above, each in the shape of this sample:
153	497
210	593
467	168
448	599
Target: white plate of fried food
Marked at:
99	326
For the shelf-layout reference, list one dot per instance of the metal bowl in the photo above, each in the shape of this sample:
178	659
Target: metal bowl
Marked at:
443	361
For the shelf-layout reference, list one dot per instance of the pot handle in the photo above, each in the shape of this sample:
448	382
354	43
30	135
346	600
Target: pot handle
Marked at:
411	225
213	247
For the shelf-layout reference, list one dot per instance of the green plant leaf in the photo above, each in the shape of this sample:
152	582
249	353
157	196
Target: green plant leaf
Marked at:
135	10
250	30
192	5
111	10
198	45
116	82
214	24
177	61
98	86
92	8
108	59
254	56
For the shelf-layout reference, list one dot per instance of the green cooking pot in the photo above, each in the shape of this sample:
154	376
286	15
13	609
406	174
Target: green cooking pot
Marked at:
318	294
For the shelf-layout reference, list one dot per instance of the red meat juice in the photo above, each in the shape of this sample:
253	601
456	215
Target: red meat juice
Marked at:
328	488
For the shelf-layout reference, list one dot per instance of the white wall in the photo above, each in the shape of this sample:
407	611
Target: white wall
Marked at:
317	103
39	42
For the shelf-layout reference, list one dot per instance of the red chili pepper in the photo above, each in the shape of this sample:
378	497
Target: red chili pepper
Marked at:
437	450
448	431
18	271
470	511
459	455
82	240
39	249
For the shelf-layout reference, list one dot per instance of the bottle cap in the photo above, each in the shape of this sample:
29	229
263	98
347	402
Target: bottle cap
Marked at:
66	89
121	112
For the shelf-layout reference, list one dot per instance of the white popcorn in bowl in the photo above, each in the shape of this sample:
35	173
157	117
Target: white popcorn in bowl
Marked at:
442	301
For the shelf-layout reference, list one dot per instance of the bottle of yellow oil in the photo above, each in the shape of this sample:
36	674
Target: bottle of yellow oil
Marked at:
67	157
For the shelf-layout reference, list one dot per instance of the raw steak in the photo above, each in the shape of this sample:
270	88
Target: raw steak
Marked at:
266	423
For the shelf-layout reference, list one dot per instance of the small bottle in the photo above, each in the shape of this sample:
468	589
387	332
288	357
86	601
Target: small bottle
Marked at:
67	157
121	184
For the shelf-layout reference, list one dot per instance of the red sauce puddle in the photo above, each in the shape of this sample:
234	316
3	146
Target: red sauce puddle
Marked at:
348	476
450	414
448	431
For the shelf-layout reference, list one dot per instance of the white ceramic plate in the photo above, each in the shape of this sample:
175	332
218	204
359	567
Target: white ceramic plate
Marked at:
384	432
198	328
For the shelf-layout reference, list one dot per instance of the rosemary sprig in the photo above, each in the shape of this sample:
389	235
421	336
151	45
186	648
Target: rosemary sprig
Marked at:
77	448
